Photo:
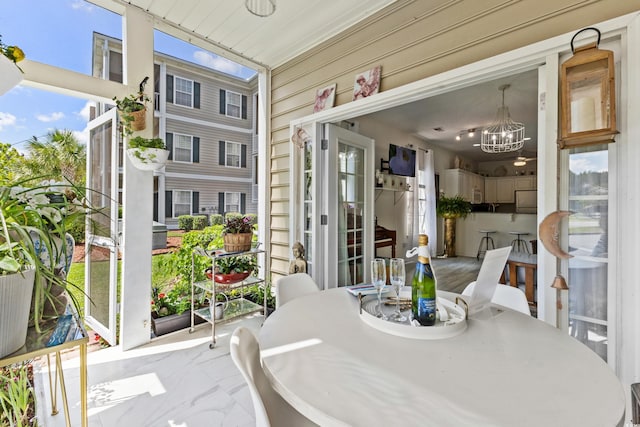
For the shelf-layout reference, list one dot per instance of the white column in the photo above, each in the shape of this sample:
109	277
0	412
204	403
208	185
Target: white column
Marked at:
135	315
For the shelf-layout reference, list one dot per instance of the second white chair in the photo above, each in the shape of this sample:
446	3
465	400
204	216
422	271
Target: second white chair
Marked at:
507	296
269	407
293	286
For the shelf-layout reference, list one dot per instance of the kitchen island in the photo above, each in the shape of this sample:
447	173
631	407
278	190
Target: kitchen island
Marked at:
468	237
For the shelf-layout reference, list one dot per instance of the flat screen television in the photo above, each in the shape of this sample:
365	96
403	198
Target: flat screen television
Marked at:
402	161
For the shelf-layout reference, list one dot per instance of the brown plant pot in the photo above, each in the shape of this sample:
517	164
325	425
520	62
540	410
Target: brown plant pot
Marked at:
139	121
237	242
450	237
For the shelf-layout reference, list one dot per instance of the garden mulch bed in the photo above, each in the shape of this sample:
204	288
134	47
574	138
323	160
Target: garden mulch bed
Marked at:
173	243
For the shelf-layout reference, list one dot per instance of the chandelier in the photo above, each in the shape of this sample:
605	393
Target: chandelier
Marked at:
261	8
504	134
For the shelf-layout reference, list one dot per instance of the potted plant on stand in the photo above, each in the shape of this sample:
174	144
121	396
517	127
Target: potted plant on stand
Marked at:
147	153
32	223
233	269
451	208
238	232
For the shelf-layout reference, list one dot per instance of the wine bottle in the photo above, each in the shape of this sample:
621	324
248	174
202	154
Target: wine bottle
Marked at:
423	289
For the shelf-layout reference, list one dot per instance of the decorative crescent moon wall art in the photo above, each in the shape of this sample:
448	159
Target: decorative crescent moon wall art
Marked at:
549	231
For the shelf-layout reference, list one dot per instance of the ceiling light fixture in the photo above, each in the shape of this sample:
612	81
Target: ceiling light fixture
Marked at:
504	134
261	8
520	162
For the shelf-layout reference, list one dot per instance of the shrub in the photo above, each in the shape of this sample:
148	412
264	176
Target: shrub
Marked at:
199	222
185	222
210	238
230	215
216	219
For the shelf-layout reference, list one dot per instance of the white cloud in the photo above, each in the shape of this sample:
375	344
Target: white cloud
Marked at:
6	120
586	163
81	5
217	63
82	136
53	117
85	112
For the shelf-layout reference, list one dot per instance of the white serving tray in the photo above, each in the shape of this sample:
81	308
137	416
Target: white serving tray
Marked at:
454	325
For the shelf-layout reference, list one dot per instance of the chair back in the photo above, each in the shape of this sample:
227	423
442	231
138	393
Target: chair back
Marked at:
294	286
506	296
269	407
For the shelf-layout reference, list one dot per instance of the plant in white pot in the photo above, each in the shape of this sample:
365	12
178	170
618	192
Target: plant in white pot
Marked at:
147	153
32	221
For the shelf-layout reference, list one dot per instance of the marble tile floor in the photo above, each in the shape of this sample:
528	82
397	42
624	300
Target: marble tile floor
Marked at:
174	381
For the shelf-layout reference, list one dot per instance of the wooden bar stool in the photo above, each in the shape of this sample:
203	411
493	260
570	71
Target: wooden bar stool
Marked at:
518	244
486	240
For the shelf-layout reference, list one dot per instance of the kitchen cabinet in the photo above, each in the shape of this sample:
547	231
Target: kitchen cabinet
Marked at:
526	182
500	190
467	184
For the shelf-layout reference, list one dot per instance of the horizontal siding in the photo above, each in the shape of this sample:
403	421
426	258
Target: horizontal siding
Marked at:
411	40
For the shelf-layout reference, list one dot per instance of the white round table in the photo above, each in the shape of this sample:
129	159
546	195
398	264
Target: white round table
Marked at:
504	370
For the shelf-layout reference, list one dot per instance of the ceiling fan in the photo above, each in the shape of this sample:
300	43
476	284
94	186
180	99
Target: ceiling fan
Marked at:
522	160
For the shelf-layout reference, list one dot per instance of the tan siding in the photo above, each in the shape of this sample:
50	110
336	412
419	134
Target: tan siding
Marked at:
411	40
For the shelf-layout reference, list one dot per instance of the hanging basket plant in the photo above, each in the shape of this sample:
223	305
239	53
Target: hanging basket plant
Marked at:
132	110
147	153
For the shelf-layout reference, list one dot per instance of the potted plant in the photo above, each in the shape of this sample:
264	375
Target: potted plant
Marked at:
171	310
233	269
33	222
9	69
451	208
147	153
132	110
238	232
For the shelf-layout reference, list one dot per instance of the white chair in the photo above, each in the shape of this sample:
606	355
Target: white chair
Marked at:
293	286
269	407
506	296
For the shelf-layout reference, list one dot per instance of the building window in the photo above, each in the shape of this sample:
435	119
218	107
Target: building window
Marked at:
183	92
233	154
232	202
234	104
182	148
181	203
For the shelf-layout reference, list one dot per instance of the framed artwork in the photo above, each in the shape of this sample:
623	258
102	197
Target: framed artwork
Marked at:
325	98
367	83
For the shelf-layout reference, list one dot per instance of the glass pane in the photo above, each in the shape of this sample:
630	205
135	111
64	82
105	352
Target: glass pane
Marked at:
99	274
588	242
100	179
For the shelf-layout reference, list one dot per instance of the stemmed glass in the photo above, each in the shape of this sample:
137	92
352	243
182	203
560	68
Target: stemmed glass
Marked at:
397	277
379	279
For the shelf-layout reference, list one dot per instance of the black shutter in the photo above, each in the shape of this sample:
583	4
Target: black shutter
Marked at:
168	204
195	202
221	160
169	142
169	88
196	150
244	107
243	203
223	102
221	203
196	95
243	156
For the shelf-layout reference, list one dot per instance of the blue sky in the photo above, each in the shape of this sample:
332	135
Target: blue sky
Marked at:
59	32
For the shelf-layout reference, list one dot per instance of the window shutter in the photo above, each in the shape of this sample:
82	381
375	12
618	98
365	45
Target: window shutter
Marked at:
221	203
223	101
169	88
169	142
243	203
243	156
195	202
196	95
222	161
168	204
196	150
244	107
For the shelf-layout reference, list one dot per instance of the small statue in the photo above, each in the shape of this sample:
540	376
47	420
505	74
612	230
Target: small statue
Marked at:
299	264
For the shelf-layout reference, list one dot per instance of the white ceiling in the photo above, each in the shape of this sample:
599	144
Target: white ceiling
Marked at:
295	27
469	108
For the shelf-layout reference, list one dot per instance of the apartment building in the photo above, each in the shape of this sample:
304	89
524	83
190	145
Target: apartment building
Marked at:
207	119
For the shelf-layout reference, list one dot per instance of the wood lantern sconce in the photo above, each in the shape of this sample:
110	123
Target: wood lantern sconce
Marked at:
587	96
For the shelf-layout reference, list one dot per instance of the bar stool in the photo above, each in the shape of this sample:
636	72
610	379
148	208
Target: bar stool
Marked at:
518	244
486	240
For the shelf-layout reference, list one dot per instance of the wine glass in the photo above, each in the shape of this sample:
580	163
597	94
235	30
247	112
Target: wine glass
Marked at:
379	279
397	277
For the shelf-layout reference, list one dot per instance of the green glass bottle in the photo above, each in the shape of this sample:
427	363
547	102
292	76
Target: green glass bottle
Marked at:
423	287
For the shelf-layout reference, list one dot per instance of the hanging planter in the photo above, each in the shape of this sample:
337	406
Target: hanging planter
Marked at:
132	111
15	303
147	154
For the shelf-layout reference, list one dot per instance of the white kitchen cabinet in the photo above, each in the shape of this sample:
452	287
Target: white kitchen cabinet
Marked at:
467	184
526	183
499	190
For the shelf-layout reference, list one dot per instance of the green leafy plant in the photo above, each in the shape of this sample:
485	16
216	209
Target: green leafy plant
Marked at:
175	301
238	224
128	105
138	147
453	207
13	53
17	398
236	264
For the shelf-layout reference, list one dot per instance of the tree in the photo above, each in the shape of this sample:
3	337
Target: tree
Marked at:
60	157
12	163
